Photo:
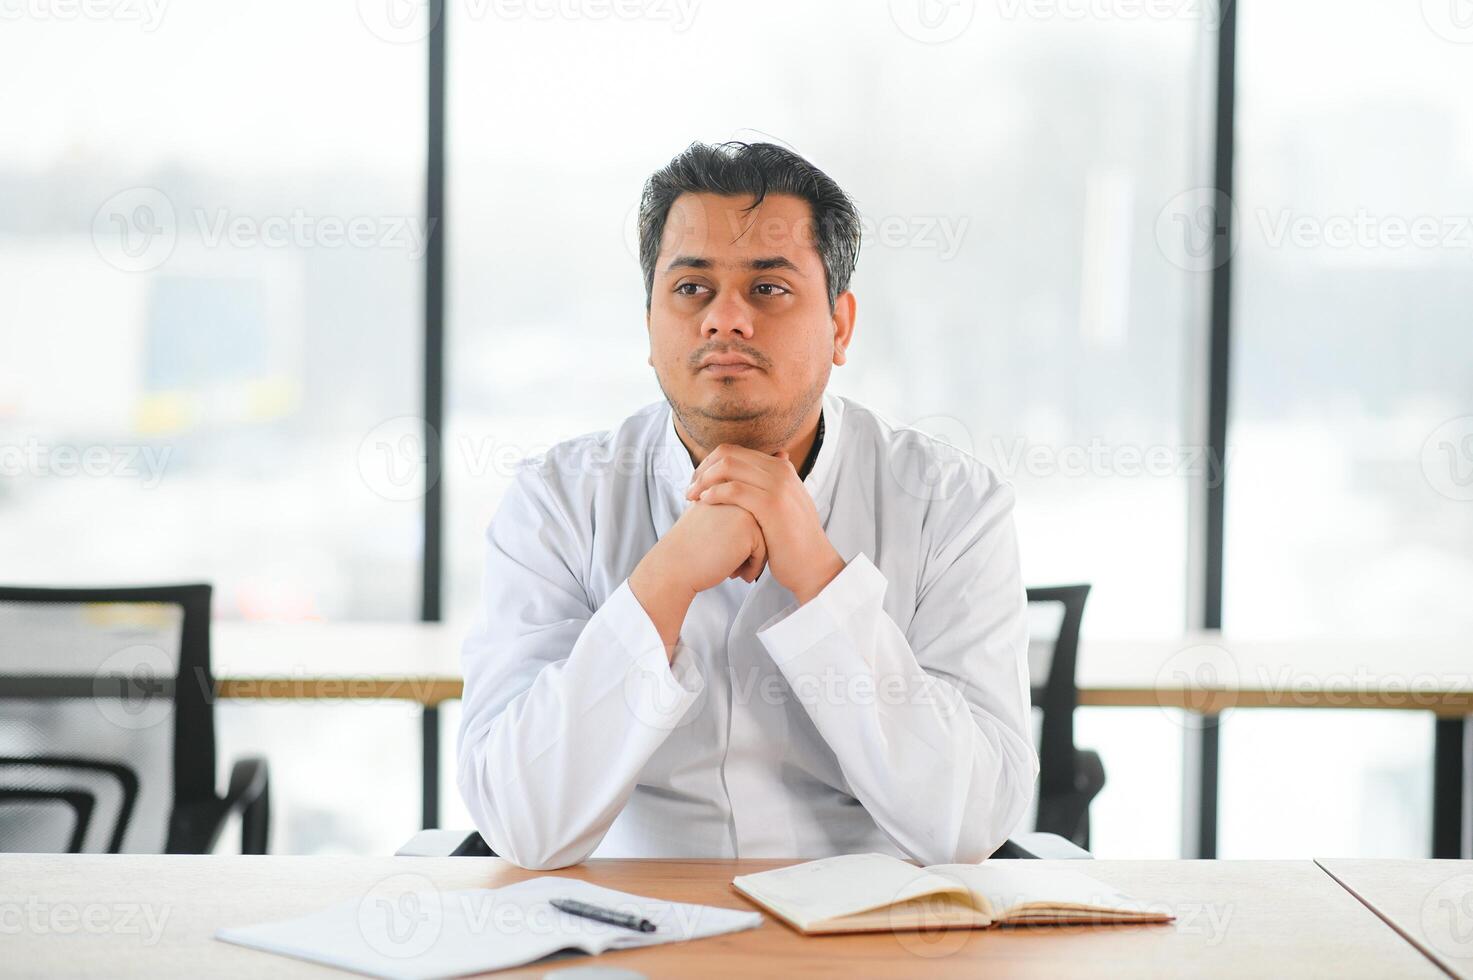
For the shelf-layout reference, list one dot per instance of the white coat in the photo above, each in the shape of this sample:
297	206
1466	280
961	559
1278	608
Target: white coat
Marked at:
890	713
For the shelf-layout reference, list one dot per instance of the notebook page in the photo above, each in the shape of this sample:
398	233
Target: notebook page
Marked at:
842	885
1011	885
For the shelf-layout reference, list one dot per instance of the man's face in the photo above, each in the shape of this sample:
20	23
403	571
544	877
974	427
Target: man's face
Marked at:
741	336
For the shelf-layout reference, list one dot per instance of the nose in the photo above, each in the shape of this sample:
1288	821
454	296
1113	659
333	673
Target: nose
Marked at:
729	316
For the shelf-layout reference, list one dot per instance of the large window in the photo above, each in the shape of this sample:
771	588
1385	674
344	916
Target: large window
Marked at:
1013	298
210	279
1349	507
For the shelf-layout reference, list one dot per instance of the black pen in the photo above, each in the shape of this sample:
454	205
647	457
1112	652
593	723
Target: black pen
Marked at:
602	914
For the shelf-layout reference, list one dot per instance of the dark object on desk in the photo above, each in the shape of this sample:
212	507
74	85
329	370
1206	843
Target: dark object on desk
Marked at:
107	742
1068	777
469	843
598	914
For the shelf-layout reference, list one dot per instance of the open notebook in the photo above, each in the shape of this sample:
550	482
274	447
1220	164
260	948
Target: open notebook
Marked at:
879	893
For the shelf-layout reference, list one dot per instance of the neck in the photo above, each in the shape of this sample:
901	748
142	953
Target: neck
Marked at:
797	446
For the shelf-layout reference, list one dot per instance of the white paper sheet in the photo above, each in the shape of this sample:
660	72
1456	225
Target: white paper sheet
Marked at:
406	929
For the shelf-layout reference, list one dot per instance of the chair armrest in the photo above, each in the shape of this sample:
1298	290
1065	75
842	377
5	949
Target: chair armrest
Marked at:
445	843
1049	847
250	793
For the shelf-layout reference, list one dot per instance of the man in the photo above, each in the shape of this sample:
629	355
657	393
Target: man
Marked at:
754	620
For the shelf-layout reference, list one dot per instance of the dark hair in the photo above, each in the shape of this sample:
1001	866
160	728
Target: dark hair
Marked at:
755	169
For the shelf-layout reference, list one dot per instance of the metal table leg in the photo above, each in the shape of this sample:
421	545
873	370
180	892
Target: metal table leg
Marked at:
1199	786
1452	812
430	766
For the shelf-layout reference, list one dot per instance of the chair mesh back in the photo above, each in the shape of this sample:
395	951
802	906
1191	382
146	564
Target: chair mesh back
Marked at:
86	696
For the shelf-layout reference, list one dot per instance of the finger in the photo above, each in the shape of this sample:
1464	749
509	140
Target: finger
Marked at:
728	451
756	561
734	468
751	499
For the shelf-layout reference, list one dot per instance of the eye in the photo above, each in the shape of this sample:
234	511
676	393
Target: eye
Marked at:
690	289
770	289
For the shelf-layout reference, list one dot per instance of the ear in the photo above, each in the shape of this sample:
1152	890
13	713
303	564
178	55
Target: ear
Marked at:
650	358
844	311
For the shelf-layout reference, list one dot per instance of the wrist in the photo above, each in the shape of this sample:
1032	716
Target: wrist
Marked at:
813	584
665	599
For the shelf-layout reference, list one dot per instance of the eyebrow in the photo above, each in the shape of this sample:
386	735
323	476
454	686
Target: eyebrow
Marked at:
757	265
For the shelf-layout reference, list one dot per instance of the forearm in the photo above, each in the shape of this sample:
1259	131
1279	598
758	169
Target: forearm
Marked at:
944	777
664	596
545	775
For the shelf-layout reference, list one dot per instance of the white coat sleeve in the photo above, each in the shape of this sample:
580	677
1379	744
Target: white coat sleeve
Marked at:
931	726
563	704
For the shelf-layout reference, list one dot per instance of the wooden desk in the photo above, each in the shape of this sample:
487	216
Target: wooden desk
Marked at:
1259	918
1203	673
1429	902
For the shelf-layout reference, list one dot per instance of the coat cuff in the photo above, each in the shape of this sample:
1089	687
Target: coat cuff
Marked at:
799	628
658	691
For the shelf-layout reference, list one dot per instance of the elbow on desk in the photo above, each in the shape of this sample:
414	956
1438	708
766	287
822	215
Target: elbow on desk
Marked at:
512	829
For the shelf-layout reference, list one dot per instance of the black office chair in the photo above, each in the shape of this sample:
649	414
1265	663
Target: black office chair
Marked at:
107	726
1069	778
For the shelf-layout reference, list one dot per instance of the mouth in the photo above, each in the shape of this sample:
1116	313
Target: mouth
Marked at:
727	366
734	369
